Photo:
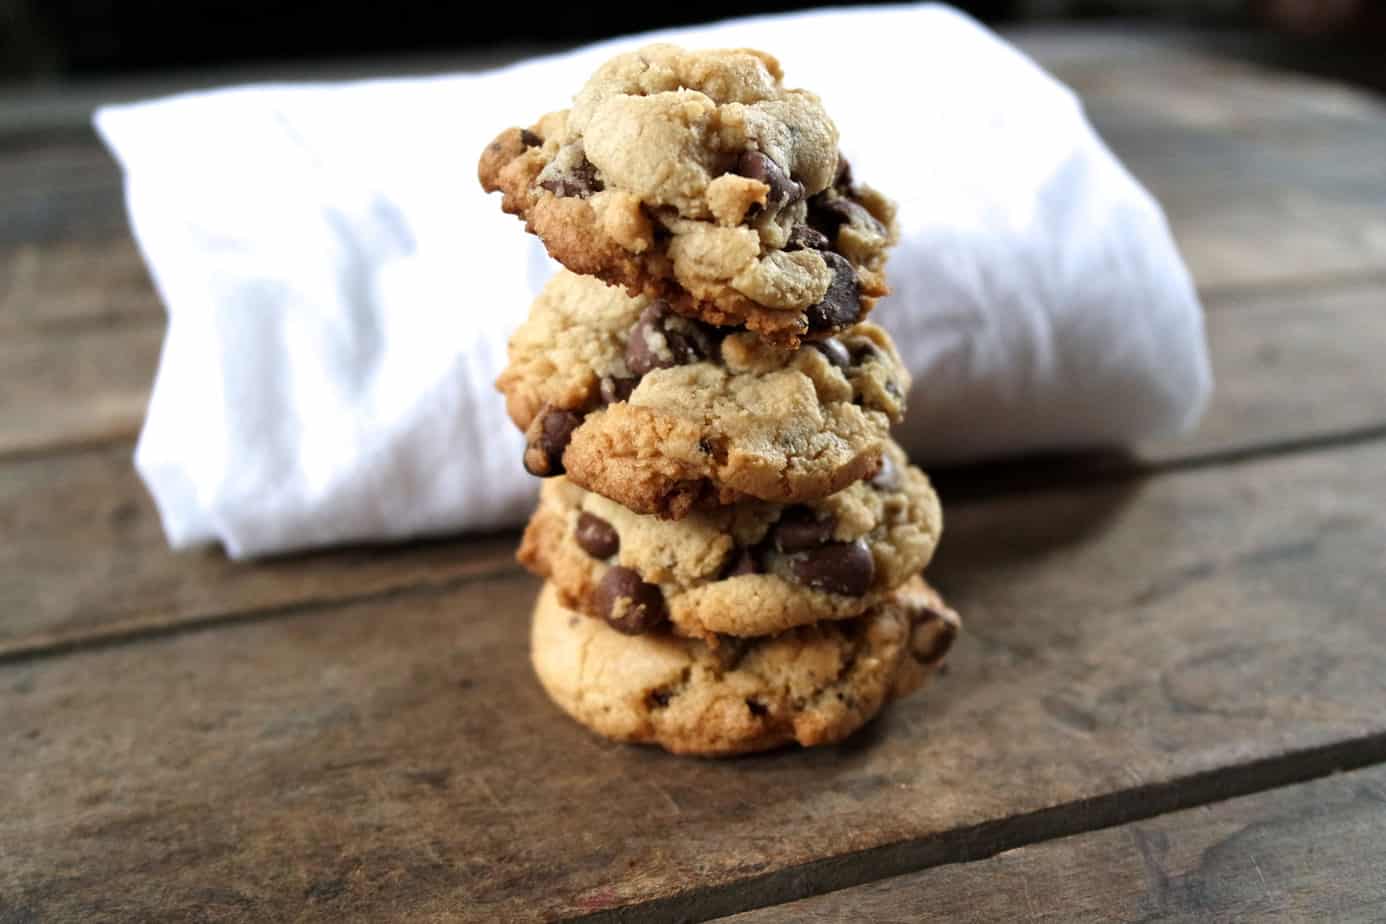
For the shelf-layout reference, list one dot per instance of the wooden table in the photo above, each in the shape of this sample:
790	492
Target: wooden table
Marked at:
1168	657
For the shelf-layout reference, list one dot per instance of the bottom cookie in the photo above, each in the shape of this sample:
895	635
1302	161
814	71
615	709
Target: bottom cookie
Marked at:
812	685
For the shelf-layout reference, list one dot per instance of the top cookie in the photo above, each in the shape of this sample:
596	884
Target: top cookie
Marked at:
697	177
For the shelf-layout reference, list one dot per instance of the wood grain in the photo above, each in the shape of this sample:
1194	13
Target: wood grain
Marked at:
86	561
56	189
1130	649
1310	852
75	388
1289	368
60	287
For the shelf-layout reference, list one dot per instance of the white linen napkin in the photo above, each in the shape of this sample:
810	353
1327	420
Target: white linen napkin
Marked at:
340	291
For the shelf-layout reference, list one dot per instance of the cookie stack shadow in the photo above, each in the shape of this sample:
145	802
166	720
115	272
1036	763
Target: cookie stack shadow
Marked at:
732	543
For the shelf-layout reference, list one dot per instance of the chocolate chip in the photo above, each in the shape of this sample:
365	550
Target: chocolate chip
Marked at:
834	351
597	537
629	604
829	213
803	237
842	180
658	699
800	528
581	181
618	389
887	477
839	568
783	188
932	636
841	304
546	438
743	560
530	139
864	351
758	709
730	650
662	339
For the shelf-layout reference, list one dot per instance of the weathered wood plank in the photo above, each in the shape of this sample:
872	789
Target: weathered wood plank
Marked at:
1130	647
1289	368
1188	77
56	287
1310	852
75	388
93	561
65	189
85	560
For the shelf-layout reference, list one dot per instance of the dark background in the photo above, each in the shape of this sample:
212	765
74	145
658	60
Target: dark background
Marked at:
49	40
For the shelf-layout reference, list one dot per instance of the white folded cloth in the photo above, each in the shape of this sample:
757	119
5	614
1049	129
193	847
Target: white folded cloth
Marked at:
340	290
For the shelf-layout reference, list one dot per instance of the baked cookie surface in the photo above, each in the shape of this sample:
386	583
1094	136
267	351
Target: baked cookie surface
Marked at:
751	569
665	415
698	177
813	685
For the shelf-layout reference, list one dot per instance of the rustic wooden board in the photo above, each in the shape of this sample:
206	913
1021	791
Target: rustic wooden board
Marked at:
85	561
58	189
64	286
1180	77
1131	648
1310	852
78	387
1291	370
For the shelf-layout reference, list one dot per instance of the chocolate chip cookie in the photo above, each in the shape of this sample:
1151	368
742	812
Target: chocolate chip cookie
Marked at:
664	414
698	178
814	685
750	569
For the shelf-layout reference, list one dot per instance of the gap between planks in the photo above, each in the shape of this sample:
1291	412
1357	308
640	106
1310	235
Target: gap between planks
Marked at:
980	842
116	634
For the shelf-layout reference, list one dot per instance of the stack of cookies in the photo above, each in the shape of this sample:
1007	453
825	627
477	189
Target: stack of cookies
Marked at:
732	542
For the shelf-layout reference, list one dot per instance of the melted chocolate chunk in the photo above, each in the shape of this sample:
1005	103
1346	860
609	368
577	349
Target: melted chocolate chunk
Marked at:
834	351
618	389
800	528
867	352
841	304
730	650
743	560
845	568
783	188
579	182
529	139
887	477
829	213
658	699
932	636
803	237
596	537
662	339
842	180
547	438
629	604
